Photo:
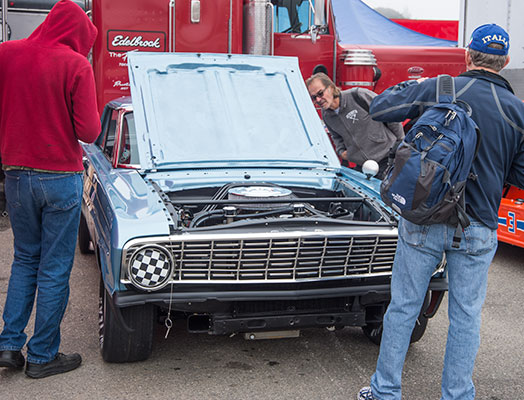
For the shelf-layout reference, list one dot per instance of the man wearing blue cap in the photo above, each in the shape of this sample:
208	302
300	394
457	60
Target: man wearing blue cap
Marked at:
500	116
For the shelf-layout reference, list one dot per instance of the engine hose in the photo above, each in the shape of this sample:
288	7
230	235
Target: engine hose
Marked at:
207	215
267	213
197	221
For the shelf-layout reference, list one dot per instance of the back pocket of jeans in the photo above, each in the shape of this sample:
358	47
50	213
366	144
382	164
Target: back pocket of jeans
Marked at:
12	190
479	238
62	192
413	234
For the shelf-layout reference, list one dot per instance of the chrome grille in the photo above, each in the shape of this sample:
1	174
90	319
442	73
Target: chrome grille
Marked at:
278	258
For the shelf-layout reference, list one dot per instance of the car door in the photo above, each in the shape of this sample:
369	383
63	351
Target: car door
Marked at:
98	164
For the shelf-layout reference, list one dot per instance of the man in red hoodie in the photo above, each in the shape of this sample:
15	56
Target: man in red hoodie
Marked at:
47	105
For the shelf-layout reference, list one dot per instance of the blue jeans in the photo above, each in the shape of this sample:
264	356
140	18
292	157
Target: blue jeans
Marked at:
44	209
419	250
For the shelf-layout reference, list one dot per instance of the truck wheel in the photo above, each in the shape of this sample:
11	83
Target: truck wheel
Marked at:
117	345
373	331
84	239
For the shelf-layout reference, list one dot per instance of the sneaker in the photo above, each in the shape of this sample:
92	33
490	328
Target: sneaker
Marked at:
11	358
62	363
365	394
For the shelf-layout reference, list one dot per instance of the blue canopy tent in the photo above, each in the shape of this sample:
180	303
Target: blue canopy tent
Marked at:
357	23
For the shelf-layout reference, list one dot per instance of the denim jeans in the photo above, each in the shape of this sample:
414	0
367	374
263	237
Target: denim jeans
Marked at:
419	250
44	209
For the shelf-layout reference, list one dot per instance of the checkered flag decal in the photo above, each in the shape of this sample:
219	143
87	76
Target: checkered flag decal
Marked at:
150	267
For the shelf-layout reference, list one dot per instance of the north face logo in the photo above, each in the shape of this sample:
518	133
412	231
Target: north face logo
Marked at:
398	198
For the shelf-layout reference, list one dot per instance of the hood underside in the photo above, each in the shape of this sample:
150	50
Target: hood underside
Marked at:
220	110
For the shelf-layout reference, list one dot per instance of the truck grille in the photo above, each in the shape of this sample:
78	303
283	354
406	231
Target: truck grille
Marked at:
278	259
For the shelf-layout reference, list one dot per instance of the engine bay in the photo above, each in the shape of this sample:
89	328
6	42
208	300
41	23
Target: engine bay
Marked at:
241	203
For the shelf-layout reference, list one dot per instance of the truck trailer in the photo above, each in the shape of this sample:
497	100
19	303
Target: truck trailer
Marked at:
505	13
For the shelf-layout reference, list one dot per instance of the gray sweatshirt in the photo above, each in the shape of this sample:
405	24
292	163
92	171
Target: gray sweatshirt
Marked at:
352	129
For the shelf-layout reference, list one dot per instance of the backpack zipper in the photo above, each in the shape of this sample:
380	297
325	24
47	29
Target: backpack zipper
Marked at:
435	142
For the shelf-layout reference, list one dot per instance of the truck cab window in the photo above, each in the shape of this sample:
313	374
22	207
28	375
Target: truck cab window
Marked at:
293	16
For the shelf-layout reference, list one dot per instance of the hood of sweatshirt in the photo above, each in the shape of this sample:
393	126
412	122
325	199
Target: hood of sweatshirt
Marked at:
66	25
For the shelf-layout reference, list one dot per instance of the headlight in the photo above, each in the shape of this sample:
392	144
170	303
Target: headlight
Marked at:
150	267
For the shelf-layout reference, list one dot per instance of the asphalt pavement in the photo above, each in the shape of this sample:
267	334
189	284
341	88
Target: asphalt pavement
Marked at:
317	365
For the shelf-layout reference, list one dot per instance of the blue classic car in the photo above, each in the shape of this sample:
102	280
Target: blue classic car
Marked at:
216	196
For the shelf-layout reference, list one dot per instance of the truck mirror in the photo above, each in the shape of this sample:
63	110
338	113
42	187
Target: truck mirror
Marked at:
313	31
370	169
377	73
320	13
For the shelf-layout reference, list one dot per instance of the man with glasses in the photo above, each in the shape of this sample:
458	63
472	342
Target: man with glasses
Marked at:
356	136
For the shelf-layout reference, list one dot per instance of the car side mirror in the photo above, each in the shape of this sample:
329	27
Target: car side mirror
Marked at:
370	168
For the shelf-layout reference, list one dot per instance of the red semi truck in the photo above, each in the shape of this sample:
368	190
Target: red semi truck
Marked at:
302	28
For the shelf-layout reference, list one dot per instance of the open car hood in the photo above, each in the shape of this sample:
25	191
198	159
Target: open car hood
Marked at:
219	110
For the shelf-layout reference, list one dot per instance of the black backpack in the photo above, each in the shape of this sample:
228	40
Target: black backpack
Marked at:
426	180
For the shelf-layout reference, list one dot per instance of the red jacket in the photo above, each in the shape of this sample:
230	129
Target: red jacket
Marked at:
47	93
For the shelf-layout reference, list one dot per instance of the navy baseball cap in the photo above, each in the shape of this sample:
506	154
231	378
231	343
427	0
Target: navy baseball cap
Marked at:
486	34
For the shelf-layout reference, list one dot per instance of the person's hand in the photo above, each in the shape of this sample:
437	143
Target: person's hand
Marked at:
344	155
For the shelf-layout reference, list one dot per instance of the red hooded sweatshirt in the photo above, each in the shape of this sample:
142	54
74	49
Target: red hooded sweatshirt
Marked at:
47	93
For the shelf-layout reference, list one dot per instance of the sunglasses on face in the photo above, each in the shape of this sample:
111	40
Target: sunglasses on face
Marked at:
318	95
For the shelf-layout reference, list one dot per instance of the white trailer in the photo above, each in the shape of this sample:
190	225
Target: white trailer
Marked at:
23	16
506	13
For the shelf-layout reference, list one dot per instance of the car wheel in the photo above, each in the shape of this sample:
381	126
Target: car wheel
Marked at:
118	345
373	331
84	240
420	326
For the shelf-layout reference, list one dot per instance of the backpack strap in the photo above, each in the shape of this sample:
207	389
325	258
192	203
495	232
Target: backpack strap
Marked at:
363	104
446	94
445	89
463	221
359	100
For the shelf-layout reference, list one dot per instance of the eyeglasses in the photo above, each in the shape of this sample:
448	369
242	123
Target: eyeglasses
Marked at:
319	94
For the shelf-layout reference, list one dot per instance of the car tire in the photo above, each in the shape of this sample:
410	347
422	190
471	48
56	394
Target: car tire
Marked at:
420	327
84	239
373	331
118	345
